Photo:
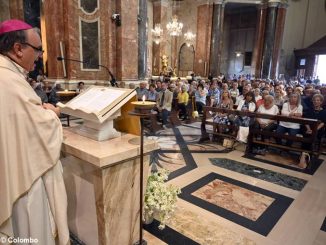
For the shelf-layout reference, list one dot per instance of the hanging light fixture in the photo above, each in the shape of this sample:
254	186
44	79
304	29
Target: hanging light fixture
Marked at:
174	28
157	33
189	37
238	52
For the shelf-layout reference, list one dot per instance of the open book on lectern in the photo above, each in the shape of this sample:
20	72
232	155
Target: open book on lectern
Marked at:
97	103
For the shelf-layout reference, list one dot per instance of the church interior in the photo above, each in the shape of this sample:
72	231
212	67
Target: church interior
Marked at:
236	112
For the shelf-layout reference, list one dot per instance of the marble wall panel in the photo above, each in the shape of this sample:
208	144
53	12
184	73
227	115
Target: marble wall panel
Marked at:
121	201
103	204
62	23
203	35
5	10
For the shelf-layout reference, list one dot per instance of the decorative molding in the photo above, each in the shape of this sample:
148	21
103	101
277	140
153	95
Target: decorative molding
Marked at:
99	43
245	1
262	6
87	13
164	3
273	4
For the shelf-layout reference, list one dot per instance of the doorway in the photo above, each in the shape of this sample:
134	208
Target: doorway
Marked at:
320	70
186	60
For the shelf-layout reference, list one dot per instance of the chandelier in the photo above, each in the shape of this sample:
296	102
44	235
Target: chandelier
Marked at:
174	28
157	33
189	37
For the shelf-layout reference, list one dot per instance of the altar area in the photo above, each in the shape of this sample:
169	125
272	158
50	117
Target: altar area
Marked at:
101	167
102	182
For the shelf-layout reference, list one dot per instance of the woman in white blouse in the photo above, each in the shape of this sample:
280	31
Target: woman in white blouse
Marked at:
267	108
292	108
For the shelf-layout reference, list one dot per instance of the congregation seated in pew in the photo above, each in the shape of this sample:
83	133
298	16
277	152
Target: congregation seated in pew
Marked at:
273	98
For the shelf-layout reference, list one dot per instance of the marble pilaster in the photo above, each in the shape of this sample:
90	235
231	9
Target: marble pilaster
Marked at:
216	39
269	40
142	40
52	24
259	40
203	34
160	9
281	14
16	8
126	40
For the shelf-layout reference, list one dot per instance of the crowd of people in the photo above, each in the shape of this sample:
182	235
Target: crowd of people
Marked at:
297	98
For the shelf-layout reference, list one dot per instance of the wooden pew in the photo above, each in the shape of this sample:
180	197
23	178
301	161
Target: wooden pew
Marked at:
174	115
190	110
253	133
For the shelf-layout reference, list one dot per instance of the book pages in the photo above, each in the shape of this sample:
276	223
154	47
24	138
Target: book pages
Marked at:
97	103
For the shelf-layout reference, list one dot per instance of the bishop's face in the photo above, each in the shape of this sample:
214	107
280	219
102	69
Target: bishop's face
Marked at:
31	50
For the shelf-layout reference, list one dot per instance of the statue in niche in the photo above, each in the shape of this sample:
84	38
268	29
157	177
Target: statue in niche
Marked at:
164	61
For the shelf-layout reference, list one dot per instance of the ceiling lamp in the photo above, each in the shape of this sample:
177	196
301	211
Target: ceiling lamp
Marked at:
189	37
238	53
174	28
157	33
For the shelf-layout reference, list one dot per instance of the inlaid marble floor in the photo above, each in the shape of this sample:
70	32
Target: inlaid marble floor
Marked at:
254	203
229	199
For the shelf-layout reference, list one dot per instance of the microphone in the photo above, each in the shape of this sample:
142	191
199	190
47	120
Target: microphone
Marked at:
113	81
59	58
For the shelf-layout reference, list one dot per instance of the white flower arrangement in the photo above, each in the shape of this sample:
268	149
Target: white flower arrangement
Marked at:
160	198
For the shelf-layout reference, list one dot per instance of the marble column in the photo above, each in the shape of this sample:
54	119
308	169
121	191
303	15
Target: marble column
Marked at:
279	29
216	39
142	39
52	27
203	34
160	8
269	39
126	41
259	40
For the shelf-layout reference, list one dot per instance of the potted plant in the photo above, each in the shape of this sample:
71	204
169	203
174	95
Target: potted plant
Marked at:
160	198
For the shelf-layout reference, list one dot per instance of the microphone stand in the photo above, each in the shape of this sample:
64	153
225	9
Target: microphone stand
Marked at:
113	81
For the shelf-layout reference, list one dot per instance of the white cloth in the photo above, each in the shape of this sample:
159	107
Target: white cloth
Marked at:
271	111
252	106
30	213
239	98
243	133
30	143
286	110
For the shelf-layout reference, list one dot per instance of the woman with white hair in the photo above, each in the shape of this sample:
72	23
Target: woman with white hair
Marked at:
268	107
292	108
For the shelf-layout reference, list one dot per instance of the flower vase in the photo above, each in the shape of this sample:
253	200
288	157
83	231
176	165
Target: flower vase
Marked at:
148	219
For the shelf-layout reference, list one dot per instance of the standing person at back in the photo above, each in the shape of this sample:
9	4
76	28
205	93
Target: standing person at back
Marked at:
33	198
164	103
